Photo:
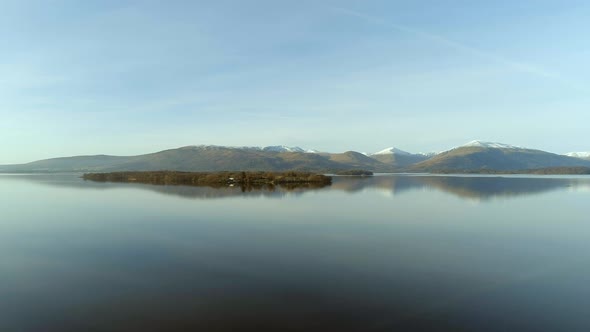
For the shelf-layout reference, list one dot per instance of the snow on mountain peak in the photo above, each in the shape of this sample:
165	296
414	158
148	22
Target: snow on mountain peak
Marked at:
392	150
493	145
578	154
428	154
272	148
283	148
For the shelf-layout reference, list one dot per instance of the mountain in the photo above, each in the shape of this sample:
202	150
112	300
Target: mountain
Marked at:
68	164
479	156
357	160
475	156
397	158
282	148
199	158
490	145
581	155
390	151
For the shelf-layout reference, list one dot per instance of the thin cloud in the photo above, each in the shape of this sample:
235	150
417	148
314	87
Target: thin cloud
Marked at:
439	39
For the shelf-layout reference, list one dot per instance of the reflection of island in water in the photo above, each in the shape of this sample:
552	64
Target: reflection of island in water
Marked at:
468	187
198	192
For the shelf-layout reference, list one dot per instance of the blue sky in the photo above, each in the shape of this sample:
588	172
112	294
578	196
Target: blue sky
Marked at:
131	77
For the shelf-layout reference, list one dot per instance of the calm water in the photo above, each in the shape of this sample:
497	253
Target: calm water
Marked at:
388	253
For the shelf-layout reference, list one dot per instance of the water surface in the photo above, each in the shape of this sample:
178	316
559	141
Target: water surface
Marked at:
387	253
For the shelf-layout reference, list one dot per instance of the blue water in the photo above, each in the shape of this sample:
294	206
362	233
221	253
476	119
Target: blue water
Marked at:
388	253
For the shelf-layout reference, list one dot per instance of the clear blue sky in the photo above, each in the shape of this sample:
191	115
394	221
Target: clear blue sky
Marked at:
131	77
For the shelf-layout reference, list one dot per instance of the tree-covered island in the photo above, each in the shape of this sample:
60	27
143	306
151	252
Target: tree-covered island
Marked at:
214	179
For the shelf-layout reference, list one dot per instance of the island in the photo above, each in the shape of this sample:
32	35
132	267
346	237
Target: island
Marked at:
354	172
215	179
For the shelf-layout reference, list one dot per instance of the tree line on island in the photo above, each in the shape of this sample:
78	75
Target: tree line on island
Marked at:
215	179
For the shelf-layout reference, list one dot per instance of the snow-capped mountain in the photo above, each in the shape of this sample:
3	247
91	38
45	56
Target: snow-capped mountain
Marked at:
476	143
391	150
492	145
428	154
283	148
583	155
486	156
398	158
272	148
495	156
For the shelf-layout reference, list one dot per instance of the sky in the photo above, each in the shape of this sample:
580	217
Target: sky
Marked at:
132	77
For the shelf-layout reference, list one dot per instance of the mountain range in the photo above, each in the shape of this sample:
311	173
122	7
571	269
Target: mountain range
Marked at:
475	156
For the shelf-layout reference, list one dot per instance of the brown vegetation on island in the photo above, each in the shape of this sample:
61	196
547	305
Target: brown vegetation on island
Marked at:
215	179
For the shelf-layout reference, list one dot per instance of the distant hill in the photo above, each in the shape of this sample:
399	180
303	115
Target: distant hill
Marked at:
358	160
399	159
68	164
201	158
494	156
474	157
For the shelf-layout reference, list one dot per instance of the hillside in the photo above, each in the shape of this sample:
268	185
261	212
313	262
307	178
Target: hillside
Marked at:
399	159
473	158
358	160
192	158
68	164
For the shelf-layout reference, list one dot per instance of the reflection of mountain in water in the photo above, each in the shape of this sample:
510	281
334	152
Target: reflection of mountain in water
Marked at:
198	192
470	187
473	187
396	184
490	187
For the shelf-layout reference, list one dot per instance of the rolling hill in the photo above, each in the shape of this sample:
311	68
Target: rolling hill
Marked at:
479	155
203	158
473	157
358	160
399	159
